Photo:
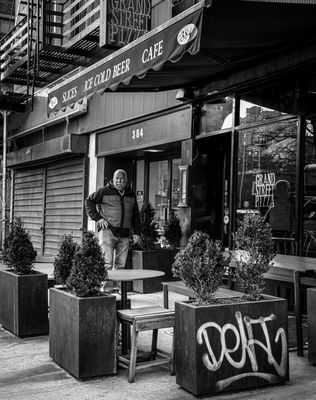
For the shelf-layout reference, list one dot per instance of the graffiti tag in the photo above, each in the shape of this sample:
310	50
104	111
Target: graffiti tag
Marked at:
247	345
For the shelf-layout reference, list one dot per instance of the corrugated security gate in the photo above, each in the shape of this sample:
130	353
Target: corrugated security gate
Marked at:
28	202
50	201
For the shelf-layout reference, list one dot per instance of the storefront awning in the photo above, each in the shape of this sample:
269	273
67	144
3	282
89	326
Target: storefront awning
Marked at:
211	39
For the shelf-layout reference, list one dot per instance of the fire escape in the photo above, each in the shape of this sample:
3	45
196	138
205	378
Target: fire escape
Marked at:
51	39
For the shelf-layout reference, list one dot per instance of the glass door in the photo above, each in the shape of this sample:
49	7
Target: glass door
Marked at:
210	187
163	188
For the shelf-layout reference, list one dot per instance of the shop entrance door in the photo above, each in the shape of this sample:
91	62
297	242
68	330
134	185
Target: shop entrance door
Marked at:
112	164
163	187
210	186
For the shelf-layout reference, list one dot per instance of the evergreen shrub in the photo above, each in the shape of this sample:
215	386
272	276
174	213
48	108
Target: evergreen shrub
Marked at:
64	260
254	238
148	234
173	230
18	251
201	265
88	272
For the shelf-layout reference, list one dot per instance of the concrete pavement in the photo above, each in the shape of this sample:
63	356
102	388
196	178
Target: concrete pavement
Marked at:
28	373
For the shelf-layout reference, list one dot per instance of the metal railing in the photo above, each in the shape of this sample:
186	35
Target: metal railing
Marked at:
80	17
15	46
67	22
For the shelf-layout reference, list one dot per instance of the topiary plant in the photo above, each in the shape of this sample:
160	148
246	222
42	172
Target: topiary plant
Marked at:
88	272
64	260
148	234
18	251
254	237
173	230
202	266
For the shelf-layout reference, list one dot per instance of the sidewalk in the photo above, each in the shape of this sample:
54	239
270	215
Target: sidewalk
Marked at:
27	372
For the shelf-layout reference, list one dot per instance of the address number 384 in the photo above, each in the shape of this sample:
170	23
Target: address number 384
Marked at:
137	133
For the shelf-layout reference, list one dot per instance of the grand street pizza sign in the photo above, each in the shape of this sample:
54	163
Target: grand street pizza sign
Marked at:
149	52
123	21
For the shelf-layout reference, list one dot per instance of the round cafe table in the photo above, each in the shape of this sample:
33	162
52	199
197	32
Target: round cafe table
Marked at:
129	275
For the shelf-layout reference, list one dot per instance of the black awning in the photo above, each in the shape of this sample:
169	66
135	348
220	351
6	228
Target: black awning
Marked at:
205	42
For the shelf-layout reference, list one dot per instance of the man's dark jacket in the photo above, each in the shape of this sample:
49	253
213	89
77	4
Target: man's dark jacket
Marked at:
120	210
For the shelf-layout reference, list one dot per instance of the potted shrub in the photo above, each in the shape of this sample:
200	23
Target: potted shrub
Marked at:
226	344
148	235
63	262
23	291
173	230
147	257
82	336
253	241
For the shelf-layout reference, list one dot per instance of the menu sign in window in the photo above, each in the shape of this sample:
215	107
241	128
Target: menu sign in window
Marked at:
123	21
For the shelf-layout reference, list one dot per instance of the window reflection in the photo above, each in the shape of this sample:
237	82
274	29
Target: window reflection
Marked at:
268	103
251	112
309	211
158	189
216	116
164	189
267	175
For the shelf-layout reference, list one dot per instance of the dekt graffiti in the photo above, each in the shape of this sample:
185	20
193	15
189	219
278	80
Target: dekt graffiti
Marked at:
247	342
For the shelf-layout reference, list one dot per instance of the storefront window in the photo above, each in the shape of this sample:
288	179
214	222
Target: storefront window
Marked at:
158	189
164	189
267	103
309	212
216	116
267	177
250	112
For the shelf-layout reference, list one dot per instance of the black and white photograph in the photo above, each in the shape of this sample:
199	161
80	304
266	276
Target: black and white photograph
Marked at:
157	199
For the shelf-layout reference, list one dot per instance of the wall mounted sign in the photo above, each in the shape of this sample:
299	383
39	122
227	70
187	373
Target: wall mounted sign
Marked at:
184	185
123	21
140	195
155	131
137	133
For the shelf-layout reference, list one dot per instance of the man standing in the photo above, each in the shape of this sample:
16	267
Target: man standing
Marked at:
114	208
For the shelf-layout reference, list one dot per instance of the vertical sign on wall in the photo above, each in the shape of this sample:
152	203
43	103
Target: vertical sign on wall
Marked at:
183	169
123	21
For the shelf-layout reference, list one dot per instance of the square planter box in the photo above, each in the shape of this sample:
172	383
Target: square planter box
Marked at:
160	260
227	347
23	303
82	335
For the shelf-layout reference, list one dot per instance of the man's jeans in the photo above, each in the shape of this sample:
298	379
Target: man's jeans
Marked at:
115	254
